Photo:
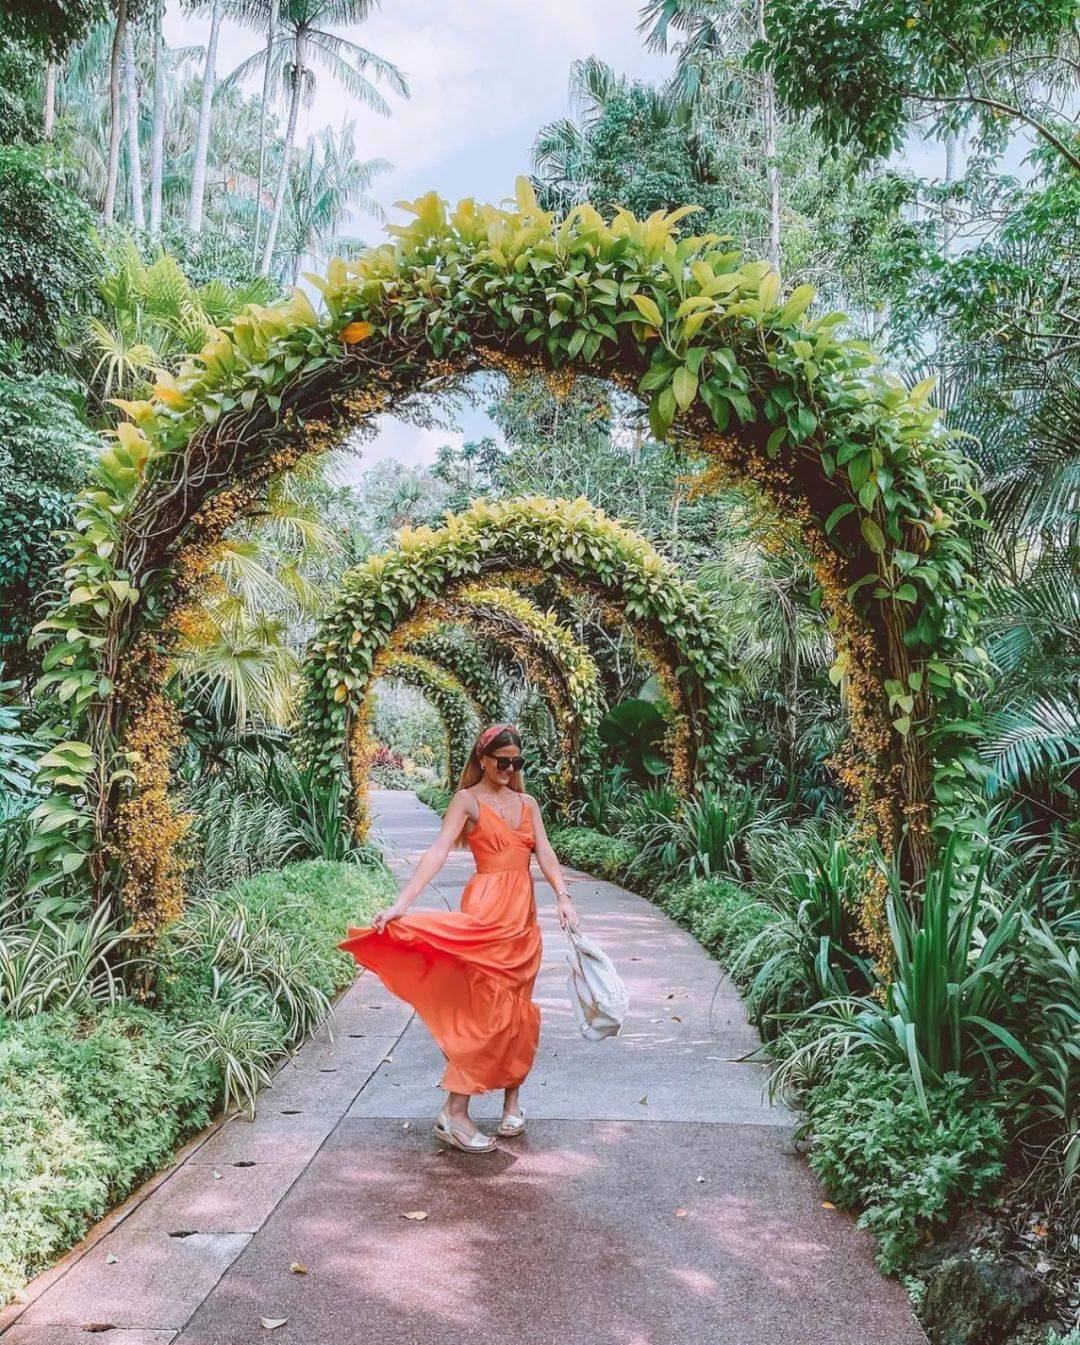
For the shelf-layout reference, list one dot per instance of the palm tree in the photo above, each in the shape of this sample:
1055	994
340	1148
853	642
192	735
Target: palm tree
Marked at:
202	135
157	120
271	8
716	36
322	186
112	170
563	149
131	97
302	37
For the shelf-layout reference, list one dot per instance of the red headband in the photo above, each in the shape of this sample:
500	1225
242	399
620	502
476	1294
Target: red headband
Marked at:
493	732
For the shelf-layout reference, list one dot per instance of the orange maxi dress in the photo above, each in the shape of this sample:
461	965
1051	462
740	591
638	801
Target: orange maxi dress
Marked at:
469	973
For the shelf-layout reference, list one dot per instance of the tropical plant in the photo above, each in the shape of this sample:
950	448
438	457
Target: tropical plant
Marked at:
301	40
326	184
633	732
951	1007
58	964
817	925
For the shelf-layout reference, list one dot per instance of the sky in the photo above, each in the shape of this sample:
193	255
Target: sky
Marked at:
484	75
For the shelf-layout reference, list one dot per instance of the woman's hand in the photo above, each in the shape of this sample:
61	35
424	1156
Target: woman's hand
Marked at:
381	919
567	913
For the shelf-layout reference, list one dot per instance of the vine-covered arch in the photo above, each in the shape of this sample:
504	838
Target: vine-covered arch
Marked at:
449	571
455	649
548	654
459	712
721	354
419	652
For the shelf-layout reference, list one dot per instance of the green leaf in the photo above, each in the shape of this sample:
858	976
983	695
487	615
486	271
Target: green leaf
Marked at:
841	511
872	535
684	386
648	309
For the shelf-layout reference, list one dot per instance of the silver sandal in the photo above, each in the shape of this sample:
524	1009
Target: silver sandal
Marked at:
472	1144
511	1125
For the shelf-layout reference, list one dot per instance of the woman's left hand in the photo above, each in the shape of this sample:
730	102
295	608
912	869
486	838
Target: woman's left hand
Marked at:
568	914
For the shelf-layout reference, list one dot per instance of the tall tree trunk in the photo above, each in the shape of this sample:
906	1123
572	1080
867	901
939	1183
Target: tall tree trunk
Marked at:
950	178
202	135
157	133
268	79
772	168
48	106
131	95
112	171
299	57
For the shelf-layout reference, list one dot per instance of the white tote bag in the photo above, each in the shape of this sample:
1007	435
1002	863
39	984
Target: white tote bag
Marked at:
599	998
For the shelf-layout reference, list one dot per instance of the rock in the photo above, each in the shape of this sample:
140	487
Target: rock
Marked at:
973	1228
970	1301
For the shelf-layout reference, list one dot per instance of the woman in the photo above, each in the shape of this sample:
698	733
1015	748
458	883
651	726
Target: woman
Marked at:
470	973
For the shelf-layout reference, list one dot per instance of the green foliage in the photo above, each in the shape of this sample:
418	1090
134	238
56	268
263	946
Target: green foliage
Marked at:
89	1107
48	255
876	64
314	803
633	731
592	851
45	455
51	27
20	68
93	1102
907	1166
950	1007
436	796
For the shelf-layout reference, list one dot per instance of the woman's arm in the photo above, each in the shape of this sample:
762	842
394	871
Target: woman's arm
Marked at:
549	867
431	861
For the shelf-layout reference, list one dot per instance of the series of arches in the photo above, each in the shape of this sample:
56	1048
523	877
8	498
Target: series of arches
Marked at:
724	360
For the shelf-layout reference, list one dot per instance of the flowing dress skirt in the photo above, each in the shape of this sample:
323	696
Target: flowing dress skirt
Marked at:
470	973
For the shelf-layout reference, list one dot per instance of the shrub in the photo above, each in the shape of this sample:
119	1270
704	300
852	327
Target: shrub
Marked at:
592	851
89	1106
48	260
735	925
45	454
94	1101
905	1167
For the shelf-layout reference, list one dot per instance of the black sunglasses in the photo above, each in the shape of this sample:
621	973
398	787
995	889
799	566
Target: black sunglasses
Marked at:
507	763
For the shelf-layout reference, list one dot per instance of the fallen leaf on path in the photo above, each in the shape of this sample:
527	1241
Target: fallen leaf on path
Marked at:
681	1214
675	1018
827	1205
272	1323
387	1060
298	1269
416	1214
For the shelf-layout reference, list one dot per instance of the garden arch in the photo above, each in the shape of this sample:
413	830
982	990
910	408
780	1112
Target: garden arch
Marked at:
457	679
724	359
449	571
458	711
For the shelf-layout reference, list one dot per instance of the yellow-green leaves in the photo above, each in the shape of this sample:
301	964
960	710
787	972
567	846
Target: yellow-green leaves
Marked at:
872	535
648	309
684	385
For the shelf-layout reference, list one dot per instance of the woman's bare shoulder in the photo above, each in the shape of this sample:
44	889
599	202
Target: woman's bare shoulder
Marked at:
467	799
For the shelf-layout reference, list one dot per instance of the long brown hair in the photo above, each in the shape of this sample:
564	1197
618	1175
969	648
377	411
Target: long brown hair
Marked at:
473	773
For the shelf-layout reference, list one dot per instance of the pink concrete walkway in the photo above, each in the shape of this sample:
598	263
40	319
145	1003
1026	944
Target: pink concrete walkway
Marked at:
655	1199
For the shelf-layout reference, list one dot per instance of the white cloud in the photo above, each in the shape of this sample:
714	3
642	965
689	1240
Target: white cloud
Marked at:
484	75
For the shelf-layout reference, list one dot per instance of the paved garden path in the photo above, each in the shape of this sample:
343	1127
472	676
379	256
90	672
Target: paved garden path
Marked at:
655	1199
